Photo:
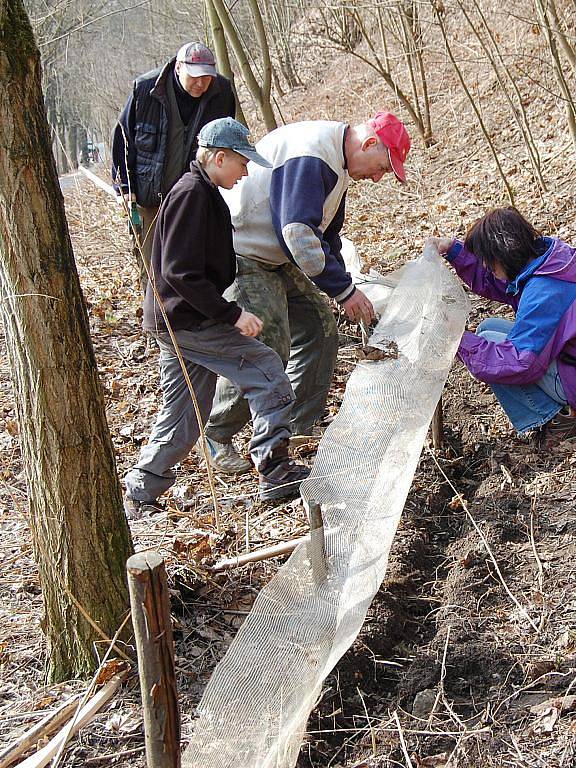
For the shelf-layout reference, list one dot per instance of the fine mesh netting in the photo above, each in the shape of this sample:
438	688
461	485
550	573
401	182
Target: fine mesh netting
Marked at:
255	708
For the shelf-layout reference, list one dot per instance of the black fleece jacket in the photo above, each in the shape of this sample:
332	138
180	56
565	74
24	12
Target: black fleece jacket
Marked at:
193	259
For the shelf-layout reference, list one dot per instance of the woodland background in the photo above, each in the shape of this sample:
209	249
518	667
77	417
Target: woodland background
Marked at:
445	659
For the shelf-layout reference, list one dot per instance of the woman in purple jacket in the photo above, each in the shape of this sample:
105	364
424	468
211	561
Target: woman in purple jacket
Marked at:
530	363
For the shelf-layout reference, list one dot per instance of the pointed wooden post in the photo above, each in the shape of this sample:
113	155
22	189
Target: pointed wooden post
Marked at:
317	547
153	632
438	427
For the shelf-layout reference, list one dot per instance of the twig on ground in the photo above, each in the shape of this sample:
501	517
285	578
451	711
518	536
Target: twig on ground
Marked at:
402	742
442	675
372	732
38	732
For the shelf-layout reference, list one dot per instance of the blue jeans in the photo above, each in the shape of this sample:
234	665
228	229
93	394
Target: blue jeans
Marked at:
527	405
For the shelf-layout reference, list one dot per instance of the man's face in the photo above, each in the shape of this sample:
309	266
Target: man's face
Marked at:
370	161
195	86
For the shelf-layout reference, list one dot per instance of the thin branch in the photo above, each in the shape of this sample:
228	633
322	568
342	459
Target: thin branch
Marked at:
90	22
472	101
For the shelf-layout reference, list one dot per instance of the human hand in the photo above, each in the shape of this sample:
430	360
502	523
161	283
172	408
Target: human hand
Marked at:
359	308
125	203
443	244
248	324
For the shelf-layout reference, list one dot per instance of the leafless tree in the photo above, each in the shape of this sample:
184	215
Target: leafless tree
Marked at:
388	37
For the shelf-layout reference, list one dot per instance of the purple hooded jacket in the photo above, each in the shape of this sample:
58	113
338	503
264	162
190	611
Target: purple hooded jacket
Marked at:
544	299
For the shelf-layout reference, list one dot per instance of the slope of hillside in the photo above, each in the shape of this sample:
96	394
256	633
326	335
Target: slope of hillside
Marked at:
468	656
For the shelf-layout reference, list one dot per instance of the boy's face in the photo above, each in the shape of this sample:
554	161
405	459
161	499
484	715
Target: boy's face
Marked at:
230	167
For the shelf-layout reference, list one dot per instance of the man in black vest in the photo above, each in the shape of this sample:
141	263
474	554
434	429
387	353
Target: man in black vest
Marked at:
155	138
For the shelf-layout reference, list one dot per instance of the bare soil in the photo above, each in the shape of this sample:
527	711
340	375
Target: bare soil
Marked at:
468	655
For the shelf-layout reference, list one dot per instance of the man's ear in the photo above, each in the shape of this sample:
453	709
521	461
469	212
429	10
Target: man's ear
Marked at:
369	141
219	157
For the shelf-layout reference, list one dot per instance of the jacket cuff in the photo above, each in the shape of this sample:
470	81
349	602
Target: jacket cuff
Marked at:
454	250
230	315
342	297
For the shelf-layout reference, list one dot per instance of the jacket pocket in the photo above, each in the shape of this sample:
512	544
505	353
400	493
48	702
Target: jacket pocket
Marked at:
146	137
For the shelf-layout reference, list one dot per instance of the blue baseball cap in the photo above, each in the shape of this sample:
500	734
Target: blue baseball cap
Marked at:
227	133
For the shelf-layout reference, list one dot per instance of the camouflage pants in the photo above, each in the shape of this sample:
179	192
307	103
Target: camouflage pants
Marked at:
299	326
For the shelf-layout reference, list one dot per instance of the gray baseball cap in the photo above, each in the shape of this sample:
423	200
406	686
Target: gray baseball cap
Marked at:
197	59
227	133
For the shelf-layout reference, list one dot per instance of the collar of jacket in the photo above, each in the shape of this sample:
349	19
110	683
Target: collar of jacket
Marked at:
515	286
159	89
196	165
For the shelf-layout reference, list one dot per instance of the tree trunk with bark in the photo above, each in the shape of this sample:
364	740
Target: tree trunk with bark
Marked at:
260	92
222	57
72	145
80	535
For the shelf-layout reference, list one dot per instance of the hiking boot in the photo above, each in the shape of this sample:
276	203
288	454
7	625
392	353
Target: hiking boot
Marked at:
561	427
135	510
280	476
224	457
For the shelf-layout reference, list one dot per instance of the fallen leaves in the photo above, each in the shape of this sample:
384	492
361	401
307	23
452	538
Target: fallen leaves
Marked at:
548	713
386	351
196	548
111	668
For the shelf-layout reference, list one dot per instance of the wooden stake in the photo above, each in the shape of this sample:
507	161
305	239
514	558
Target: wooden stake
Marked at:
316	546
153	633
438	427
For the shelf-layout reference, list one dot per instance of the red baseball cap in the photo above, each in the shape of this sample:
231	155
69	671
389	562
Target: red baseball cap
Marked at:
394	136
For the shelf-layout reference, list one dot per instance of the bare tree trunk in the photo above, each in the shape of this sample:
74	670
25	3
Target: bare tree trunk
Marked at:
438	7
557	64
83	145
72	145
567	47
80	536
261	93
222	57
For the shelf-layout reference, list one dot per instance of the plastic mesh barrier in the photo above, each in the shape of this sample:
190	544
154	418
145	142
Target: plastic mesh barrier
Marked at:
255	708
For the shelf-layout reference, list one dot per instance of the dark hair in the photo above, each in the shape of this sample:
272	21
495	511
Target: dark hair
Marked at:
504	237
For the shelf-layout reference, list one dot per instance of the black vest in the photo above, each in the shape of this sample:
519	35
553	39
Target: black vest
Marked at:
151	128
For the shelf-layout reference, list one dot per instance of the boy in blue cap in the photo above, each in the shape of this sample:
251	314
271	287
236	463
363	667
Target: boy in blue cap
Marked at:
193	262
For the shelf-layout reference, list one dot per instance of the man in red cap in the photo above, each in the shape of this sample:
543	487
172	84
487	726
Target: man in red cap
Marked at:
287	221
155	138
394	137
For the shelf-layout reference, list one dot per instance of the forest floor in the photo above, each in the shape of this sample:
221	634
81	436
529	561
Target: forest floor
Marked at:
468	654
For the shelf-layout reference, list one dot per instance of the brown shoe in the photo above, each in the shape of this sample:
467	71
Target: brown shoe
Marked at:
561	427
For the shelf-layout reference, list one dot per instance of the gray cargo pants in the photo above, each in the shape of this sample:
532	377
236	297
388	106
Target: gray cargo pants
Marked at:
299	325
217	349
